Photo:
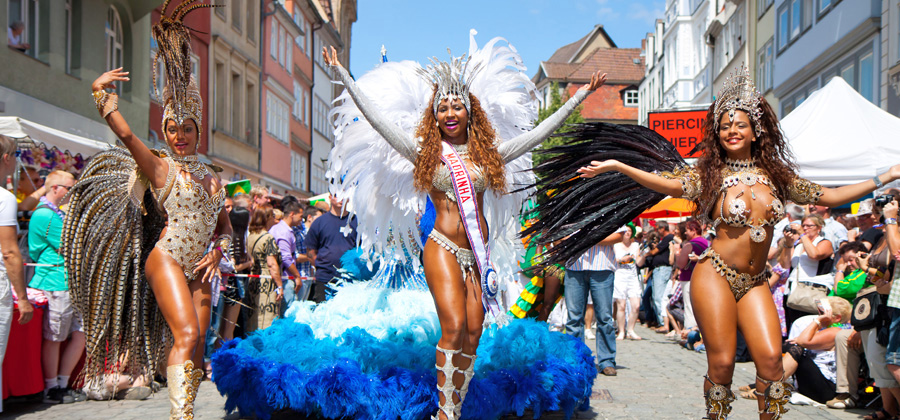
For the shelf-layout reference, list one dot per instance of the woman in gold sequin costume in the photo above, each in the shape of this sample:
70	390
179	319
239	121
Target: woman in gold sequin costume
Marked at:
739	185
177	269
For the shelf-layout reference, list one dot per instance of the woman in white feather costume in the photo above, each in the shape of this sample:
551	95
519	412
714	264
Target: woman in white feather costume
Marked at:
395	141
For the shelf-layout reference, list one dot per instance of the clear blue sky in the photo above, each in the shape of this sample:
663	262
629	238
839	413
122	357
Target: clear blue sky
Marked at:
416	30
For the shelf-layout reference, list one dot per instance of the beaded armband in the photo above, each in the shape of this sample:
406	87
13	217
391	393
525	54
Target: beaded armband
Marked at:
803	191
223	242
106	102
690	181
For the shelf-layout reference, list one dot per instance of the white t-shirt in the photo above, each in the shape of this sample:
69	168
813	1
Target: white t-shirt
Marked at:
8	208
800	261
824	359
621	251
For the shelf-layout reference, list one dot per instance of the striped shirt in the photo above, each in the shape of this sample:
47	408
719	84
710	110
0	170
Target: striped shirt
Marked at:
597	258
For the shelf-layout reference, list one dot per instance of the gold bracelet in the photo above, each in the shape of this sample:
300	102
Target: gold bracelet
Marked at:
106	102
100	97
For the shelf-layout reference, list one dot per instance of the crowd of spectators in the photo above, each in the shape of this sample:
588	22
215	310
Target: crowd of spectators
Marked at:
839	264
273	262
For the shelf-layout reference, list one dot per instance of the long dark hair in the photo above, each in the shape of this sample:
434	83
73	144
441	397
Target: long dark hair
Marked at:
770	151
240	220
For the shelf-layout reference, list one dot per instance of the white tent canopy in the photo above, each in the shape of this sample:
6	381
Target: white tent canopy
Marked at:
19	128
839	138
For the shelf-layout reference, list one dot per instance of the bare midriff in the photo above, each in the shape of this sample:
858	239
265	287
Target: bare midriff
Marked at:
448	220
734	243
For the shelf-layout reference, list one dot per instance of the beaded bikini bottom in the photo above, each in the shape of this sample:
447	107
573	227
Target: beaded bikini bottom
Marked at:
464	257
740	283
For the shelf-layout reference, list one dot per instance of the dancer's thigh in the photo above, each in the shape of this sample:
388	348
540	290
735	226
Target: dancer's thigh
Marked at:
758	321
173	296
445	282
201	295
716	314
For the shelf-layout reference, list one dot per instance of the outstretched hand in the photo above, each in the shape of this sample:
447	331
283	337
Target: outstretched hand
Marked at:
209	264
597	167
332	59
107	80
597	80
895	172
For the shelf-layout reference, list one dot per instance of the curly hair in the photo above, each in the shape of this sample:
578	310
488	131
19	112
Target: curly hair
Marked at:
481	147
769	150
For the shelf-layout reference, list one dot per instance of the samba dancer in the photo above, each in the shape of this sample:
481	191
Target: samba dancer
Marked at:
104	248
454	130
739	184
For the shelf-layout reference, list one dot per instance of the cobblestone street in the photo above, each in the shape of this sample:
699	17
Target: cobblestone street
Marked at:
656	380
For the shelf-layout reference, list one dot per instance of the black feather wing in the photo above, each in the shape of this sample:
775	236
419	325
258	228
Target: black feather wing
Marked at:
580	212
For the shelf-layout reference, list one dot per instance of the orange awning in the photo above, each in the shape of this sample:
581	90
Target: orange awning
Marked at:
670	207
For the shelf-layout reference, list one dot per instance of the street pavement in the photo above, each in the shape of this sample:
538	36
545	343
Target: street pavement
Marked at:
657	380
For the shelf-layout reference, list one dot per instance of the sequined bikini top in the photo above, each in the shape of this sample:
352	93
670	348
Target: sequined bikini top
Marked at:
742	177
442	181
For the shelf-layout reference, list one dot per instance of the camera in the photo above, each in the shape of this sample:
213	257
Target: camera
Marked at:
883	199
788	230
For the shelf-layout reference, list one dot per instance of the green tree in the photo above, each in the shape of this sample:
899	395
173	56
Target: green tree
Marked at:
556	102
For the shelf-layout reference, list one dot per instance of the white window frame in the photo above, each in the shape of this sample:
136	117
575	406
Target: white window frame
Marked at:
631	98
113	38
273	39
765	66
277	118
289	53
281	43
298	171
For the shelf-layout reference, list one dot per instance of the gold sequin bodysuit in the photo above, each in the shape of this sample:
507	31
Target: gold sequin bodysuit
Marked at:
192	213
742	184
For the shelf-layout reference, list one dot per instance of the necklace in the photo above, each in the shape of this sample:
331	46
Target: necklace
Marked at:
740	165
461	149
192	164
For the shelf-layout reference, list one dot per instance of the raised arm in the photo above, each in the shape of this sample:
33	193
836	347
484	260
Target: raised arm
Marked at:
395	136
683	182
152	166
834	197
521	144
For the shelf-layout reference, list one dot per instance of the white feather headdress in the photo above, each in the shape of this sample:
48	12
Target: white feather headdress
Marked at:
377	182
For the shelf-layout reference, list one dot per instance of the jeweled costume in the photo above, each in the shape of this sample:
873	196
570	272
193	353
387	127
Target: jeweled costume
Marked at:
372	350
584	211
115	219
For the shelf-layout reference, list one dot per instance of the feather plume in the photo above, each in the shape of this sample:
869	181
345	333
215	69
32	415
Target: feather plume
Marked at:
580	212
378	181
105	241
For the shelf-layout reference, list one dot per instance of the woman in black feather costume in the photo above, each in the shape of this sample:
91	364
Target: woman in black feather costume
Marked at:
738	185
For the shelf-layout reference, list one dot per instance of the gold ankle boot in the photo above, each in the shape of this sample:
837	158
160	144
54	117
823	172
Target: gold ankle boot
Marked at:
182	389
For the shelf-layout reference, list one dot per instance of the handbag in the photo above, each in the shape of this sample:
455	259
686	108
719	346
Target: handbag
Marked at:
865	309
804	296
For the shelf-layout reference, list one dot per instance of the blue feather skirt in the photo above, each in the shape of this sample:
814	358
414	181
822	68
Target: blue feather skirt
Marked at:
369	353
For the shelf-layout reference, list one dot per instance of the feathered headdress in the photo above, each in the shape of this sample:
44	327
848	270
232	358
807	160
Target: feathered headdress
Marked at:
181	97
378	182
452	78
739	92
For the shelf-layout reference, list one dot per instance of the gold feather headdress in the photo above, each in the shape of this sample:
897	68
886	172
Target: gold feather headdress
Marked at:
181	96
